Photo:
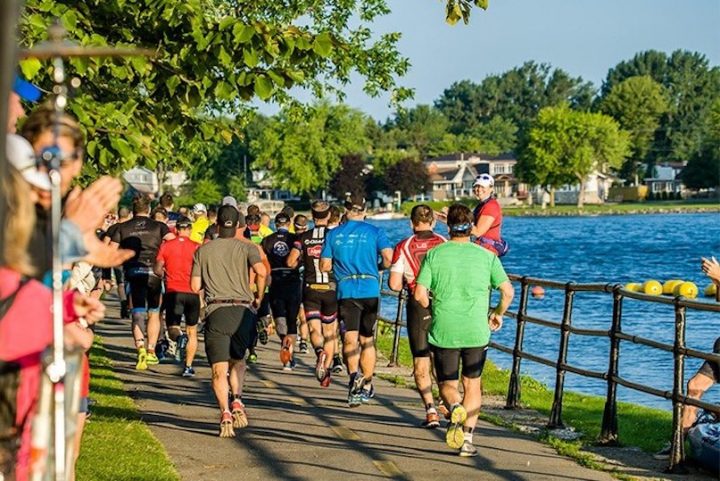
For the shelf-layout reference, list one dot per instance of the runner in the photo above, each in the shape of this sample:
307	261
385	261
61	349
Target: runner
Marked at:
174	262
124	215
265	229
284	289
460	276
351	251
168	203
319	293
338	367
200	213
143	235
220	269
300	223
407	258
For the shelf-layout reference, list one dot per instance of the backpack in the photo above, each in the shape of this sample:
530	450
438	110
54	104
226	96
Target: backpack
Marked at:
704	439
9	382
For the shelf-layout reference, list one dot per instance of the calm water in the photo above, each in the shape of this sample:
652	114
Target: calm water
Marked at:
631	248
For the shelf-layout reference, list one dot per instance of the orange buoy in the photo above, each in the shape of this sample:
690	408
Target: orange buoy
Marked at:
537	292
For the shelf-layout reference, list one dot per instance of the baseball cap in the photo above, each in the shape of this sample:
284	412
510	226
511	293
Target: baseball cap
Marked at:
484	180
183	223
228	219
282	218
26	90
21	155
229	200
355	202
199	207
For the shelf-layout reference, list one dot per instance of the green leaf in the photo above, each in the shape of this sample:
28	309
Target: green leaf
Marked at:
225	58
276	78
322	45
251	57
243	33
38	21
226	22
263	86
172	83
224	90
30	67
482	4
122	147
69	20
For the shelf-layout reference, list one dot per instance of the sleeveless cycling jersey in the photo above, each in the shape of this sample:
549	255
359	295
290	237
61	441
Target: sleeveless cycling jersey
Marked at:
310	245
409	254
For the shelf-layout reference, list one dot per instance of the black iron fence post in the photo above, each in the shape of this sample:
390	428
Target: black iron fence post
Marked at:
398	324
556	413
677	451
609	431
513	396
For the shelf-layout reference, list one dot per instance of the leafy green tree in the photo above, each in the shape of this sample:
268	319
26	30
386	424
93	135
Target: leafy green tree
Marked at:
409	176
418	128
496	136
302	147
212	59
703	168
565	146
637	103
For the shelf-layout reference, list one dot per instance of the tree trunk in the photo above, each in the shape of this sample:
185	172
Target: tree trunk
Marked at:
581	193
552	197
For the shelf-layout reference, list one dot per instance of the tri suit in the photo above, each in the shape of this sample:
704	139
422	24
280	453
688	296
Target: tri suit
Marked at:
285	286
319	292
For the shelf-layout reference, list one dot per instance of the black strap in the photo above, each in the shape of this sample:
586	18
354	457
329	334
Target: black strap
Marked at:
6	303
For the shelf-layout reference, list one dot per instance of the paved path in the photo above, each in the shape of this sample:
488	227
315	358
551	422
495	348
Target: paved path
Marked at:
299	431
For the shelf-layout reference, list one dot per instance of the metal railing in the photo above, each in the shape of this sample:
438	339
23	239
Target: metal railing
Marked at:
615	333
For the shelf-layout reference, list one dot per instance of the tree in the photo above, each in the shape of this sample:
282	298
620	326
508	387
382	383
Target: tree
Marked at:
565	146
212	58
302	147
418	128
703	168
496	136
460	9
351	177
409	176
637	103
691	85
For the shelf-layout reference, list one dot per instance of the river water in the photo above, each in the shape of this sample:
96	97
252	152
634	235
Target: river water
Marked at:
606	249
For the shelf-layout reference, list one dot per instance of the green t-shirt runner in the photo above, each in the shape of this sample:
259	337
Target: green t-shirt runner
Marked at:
460	276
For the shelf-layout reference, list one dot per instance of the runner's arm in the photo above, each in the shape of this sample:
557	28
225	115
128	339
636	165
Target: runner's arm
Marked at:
506	296
395	282
386	258
325	264
421	295
260	280
293	258
196	284
159	268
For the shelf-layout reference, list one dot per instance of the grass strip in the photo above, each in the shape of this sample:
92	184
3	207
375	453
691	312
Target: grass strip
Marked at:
117	445
643	427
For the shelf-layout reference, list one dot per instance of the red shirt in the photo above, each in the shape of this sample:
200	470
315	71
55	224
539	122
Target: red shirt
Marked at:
492	209
409	254
177	255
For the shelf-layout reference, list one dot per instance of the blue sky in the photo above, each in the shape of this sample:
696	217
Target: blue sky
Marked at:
583	37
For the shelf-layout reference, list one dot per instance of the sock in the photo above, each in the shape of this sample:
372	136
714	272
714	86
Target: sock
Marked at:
430	407
468	437
318	350
237	397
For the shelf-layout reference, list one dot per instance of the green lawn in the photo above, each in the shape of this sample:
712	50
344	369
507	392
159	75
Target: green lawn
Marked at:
646	428
117	446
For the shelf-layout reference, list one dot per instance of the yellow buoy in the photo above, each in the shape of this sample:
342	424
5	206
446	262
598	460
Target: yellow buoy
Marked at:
669	286
633	286
711	290
686	289
652	288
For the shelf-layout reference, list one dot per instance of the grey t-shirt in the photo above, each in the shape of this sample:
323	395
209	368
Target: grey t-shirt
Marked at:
223	267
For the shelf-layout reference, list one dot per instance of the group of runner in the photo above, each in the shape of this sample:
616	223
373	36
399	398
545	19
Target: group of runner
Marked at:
250	283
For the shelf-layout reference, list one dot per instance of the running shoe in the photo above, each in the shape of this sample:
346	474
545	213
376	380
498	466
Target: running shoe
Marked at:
357	382
455	436
226	425
432	420
442	409
188	372
290	365
468	450
367	394
152	359
326	381
303	346
320	370
285	353
141	359
252	358
262	333
337	367
239	416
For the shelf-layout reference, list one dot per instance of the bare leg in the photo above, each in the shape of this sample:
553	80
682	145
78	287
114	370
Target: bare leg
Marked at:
472	400
423	381
138	328
191	348
697	385
330	339
153	329
220	384
449	393
367	357
351	351
237	376
316	334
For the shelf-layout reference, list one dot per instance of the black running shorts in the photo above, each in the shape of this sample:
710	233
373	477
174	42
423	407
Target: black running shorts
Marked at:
359	315
712	369
145	292
418	323
447	362
179	304
229	332
285	302
320	304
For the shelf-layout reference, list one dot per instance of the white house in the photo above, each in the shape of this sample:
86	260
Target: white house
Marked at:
666	179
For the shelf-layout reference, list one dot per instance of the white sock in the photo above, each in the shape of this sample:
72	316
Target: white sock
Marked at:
468	437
